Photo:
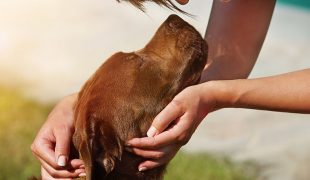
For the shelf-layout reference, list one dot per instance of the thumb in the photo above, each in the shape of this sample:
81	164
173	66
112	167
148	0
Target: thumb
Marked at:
62	147
169	114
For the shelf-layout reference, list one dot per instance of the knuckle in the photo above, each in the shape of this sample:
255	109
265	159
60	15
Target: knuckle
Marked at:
177	104
153	142
34	148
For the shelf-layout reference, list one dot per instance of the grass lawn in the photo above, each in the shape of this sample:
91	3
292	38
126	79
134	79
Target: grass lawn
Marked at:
20	119
206	167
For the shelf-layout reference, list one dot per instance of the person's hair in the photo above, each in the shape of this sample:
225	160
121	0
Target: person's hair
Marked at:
165	3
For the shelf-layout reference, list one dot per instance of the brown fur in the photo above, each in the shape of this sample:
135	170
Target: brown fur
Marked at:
120	101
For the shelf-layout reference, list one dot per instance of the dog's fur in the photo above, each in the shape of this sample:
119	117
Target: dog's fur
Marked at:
120	101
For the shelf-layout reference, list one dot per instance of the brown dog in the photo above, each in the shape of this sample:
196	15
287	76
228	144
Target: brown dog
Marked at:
120	101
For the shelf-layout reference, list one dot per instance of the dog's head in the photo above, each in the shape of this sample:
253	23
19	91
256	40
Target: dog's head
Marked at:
179	48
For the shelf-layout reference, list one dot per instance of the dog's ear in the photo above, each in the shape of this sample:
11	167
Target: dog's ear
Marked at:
107	147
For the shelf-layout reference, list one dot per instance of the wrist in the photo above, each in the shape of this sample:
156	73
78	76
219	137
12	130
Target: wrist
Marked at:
221	94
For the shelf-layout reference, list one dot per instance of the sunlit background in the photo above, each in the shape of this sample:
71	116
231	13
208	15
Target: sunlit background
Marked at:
49	48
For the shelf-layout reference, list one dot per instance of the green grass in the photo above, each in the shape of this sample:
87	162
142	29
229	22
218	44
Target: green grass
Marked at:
21	118
206	167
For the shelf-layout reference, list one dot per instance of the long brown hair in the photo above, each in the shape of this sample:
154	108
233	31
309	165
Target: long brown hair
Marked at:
165	3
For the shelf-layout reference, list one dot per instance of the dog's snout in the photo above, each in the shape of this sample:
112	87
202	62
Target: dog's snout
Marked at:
177	25
175	22
188	39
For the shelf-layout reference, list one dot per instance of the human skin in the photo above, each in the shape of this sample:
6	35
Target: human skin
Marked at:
288	92
230	57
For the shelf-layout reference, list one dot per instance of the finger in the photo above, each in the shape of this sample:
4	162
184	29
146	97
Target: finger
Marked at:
150	164
46	176
48	157
168	154
163	139
44	149
149	154
62	148
76	164
64	173
169	114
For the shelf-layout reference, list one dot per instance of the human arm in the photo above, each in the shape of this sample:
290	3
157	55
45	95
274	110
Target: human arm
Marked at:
235	34
288	92
52	144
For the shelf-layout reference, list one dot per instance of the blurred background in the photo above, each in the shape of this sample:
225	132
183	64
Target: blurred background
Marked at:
48	49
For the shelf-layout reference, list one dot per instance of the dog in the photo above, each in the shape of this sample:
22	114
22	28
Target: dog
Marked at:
120	101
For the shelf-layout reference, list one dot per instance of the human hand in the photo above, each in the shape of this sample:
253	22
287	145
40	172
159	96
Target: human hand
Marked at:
173	127
52	144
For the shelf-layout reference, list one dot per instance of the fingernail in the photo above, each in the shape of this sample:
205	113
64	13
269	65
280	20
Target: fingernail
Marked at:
127	144
142	169
62	160
82	166
151	132
82	175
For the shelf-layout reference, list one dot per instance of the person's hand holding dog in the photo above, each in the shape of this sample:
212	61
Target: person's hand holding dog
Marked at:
173	127
52	144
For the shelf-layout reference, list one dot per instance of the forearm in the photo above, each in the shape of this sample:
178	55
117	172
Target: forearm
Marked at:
235	34
287	93
65	108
